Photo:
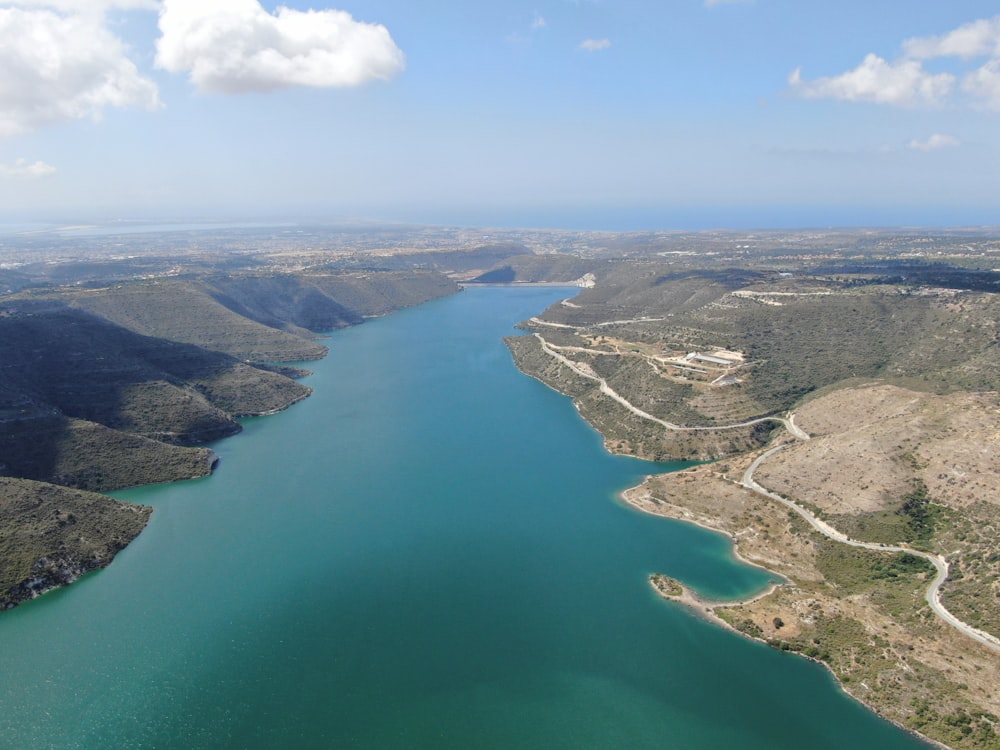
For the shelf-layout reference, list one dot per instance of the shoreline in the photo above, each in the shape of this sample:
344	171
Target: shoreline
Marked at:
279	409
704	609
626	496
640	499
922	674
211	458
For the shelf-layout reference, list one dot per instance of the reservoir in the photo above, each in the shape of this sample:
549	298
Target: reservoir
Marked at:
427	553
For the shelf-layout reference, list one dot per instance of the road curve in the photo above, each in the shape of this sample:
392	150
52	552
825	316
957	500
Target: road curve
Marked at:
611	393
933	595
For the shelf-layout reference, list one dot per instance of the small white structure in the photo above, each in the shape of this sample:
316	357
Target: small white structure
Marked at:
709	360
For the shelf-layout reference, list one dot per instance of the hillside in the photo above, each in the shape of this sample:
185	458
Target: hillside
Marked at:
650	335
258	317
50	536
77	453
104	387
193	312
894	378
74	364
888	464
884	465
144	367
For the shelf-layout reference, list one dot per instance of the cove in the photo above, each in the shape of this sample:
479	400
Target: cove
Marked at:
427	553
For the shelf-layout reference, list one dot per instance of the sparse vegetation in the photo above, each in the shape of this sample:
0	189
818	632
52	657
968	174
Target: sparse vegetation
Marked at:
50	536
888	466
818	316
919	514
666	585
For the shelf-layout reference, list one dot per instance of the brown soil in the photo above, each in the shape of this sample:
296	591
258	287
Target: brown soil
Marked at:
872	629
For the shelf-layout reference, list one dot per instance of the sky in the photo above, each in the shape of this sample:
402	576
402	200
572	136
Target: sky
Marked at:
580	114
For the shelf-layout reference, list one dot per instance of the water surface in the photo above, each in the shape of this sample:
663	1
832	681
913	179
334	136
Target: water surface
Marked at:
427	553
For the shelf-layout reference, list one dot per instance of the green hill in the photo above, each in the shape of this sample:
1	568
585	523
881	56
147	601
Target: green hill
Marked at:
50	536
798	334
104	388
90	369
191	312
258	317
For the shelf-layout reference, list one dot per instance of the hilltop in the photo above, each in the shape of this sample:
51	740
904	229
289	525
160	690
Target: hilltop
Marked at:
706	348
890	369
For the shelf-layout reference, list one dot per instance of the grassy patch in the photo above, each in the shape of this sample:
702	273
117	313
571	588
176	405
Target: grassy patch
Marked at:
854	570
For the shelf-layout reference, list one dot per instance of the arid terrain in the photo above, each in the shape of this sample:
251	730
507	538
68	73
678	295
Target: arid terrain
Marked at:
882	393
863	612
870	357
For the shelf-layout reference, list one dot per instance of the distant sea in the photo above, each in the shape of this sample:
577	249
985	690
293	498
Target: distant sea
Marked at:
593	218
427	553
701	218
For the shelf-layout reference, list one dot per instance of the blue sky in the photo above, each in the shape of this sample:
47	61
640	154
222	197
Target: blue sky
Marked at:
577	113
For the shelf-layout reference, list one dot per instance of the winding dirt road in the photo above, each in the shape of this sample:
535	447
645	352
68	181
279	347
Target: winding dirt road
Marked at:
933	595
607	390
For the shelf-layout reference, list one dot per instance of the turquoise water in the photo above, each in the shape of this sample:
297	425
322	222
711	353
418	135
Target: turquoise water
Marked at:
427	553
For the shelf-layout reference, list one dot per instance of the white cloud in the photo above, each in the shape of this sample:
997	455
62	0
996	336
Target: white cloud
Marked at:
903	83
984	84
59	67
935	142
594	45
976	39
538	24
236	46
22	169
907	83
